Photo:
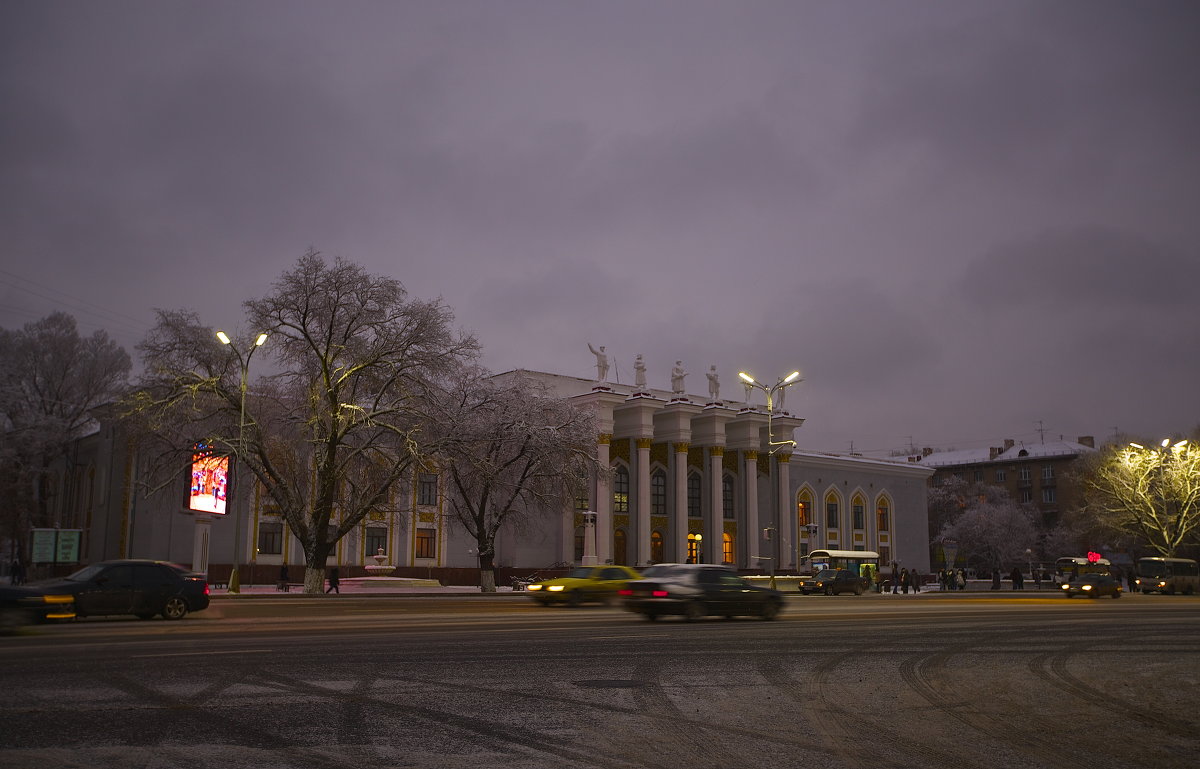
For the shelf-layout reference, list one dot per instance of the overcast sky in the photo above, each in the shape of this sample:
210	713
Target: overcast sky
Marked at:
960	220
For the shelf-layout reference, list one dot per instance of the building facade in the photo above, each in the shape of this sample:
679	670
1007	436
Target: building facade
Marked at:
692	479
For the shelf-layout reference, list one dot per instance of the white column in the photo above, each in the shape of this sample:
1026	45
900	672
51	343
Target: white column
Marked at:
681	511
202	534
642	528
752	533
604	500
788	544
715	527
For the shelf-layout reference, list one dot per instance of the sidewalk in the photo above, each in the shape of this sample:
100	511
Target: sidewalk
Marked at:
361	586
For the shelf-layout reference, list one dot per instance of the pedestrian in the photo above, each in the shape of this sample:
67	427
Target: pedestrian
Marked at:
904	581
962	580
996	579
17	577
333	582
895	578
916	581
1015	576
283	585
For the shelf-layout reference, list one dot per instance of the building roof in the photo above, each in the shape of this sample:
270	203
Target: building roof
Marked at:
1016	452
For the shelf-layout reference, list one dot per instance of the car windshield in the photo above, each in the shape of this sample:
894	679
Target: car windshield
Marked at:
827	574
1152	569
86	573
580	572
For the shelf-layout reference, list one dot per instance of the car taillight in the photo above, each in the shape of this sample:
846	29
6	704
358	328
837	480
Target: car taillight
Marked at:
659	593
624	591
206	588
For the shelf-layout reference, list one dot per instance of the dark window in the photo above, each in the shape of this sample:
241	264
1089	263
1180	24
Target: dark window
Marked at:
621	490
427	489
270	538
376	540
831	514
658	493
1001	476
426	543
859	516
693	487
153	575
1049	495
727	496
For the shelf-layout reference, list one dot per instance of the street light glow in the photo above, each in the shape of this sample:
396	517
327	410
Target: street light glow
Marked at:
747	377
1137	445
223	337
1166	442
791	376
261	338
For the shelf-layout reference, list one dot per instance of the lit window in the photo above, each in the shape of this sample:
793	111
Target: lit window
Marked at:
802	509
426	543
881	517
727	547
656	546
621	490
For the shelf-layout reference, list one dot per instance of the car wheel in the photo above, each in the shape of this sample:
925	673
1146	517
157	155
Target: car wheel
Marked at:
770	610
858	590
693	611
574	598
145	615
174	608
1116	594
828	591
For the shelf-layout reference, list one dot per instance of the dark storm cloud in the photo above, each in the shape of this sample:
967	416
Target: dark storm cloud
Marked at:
1101	271
924	207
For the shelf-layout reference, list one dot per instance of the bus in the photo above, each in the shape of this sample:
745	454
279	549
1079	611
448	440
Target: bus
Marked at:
865	563
1067	569
1168	575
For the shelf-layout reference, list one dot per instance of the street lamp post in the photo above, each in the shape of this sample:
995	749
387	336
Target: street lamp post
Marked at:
235	585
772	446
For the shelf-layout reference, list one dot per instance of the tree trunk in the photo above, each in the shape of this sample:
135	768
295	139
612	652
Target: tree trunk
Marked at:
487	573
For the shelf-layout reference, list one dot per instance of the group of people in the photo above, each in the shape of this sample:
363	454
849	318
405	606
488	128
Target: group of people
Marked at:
952	579
899	584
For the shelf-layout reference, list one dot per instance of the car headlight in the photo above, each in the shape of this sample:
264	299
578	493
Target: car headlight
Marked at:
555	588
533	587
1066	586
1087	587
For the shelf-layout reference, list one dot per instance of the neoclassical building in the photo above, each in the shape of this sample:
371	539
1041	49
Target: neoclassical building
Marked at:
710	480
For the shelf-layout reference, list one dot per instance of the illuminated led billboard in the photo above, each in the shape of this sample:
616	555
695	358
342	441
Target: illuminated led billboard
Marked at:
210	482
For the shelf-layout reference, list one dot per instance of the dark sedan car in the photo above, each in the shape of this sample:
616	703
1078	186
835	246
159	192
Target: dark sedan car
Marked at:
141	588
835	581
21	606
1093	586
698	590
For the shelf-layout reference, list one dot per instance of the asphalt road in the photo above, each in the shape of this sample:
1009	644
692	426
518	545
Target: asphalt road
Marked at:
466	681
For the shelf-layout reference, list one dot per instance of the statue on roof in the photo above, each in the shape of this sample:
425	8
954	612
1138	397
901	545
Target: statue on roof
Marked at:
714	384
639	372
677	375
601	362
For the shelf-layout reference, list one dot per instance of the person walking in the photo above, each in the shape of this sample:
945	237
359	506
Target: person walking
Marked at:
962	580
283	585
333	582
915	578
1015	576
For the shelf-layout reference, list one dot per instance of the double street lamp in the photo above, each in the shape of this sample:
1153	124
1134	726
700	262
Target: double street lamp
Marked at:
235	585
772	446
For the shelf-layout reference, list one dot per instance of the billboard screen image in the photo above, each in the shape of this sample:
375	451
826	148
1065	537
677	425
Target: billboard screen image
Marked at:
210	482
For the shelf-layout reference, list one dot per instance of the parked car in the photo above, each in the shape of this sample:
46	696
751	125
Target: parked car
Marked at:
582	584
1093	586
806	583
138	587
835	581
700	590
20	606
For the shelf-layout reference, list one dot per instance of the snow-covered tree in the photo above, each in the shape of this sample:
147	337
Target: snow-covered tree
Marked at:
52	381
511	452
342	420
993	533
1148	494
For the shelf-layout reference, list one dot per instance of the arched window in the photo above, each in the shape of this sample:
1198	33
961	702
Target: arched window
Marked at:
727	496
803	508
882	515
658	493
656	547
832	510
619	555
620	490
693	491
727	547
858	507
693	547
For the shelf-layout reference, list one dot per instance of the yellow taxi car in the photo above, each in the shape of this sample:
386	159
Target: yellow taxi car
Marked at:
583	583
